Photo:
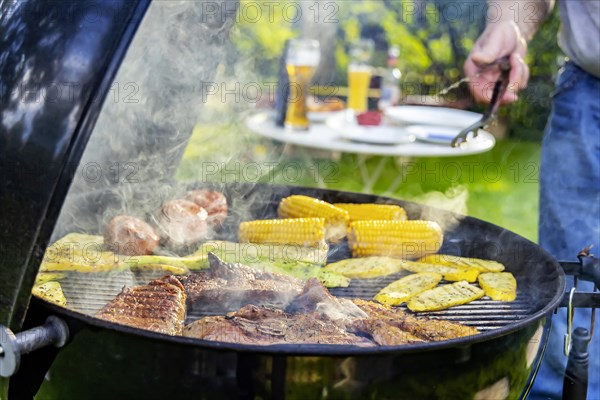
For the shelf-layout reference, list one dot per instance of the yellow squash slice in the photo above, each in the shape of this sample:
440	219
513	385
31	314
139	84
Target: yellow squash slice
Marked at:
50	291
464	262
403	289
77	252
445	296
500	286
43	277
453	274
366	267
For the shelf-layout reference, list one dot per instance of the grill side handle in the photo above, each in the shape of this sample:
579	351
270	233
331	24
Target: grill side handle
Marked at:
575	383
54	332
587	268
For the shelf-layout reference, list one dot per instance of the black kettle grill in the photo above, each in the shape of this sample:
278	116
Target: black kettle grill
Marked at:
58	63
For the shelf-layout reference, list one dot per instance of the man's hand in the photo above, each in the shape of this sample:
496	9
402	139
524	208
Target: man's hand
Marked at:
497	40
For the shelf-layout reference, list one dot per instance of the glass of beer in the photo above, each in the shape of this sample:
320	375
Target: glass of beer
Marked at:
302	59
359	75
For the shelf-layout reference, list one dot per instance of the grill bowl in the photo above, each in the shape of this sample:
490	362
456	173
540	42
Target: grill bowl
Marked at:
138	363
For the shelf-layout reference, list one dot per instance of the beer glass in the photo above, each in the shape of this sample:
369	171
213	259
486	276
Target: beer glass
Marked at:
359	75
302	59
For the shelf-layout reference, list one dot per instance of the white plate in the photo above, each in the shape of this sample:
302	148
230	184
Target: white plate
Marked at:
347	128
320	116
427	115
435	134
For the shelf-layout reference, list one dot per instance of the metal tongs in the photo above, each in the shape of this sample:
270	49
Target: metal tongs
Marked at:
490	115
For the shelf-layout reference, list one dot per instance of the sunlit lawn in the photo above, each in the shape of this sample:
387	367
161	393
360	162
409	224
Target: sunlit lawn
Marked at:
499	186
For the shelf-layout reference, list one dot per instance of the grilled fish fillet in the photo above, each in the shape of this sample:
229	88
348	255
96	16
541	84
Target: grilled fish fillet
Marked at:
158	306
428	329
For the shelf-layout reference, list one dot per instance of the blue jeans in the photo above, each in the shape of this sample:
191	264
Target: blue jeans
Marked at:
569	216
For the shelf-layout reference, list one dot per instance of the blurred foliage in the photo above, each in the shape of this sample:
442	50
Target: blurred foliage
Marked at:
260	39
435	37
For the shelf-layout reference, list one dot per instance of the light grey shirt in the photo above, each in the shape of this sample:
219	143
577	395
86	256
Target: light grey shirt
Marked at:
579	35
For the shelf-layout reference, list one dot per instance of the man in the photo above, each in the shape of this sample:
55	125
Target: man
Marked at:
569	216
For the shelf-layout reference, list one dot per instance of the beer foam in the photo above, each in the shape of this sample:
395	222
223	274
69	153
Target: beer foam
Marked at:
304	57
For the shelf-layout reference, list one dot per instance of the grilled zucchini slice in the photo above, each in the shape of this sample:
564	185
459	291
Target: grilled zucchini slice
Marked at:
50	291
403	289
366	267
500	286
445	296
450	273
463	262
43	277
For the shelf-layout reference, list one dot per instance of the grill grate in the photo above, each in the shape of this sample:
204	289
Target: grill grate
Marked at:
87	296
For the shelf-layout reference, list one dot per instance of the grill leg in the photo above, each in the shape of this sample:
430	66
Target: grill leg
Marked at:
278	378
575	384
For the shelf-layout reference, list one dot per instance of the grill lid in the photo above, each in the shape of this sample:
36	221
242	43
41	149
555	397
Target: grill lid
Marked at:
58	62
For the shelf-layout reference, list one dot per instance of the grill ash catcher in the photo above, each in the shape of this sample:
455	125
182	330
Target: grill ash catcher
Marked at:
59	352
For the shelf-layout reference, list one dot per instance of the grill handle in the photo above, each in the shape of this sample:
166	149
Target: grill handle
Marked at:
576	375
53	332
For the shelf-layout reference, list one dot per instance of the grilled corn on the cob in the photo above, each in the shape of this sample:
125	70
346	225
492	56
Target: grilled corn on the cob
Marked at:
445	296
299	206
400	239
499	285
299	231
404	288
456	261
360	212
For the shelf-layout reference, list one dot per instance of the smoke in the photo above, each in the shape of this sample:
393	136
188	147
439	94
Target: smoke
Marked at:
454	199
146	120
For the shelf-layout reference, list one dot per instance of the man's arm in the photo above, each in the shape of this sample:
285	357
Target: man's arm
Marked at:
510	26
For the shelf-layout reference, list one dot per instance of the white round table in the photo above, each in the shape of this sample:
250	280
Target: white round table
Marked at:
331	137
322	136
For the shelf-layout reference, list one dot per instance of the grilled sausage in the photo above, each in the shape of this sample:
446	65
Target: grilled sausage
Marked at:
213	202
182	223
130	236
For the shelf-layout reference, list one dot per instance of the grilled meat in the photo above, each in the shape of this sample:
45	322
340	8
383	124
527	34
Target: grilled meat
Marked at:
182	223
226	287
428	329
259	325
158	306
313	294
312	316
130	236
213	202
383	333
315	297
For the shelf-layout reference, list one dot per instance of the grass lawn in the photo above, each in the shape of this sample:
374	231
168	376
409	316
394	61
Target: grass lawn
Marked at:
500	186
